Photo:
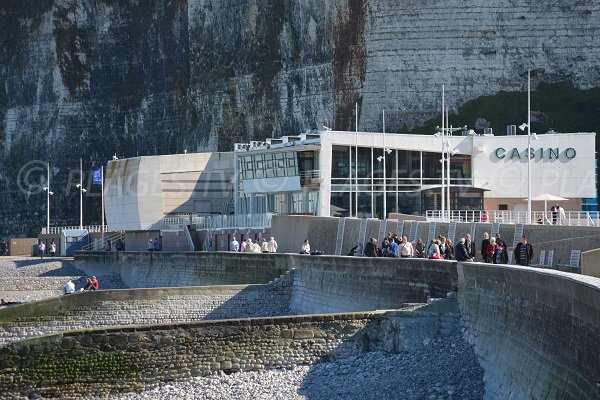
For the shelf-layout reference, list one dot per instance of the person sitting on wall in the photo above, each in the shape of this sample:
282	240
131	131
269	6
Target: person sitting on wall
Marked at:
150	245
92	284
305	247
69	287
157	244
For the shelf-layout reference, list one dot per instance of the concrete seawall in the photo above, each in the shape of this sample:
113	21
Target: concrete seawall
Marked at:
322	233
322	284
536	333
165	269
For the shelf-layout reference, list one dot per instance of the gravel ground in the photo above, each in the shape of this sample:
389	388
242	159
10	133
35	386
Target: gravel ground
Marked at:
444	368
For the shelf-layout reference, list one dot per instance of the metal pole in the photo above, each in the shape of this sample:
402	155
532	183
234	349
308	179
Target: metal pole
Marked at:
529	146
384	172
448	205
443	205
102	172
356	161
80	194
48	199
447	147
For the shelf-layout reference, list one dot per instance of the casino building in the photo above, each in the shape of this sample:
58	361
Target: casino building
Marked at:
349	174
333	173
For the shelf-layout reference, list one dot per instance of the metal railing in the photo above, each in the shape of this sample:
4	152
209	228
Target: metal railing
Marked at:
233	221
55	230
569	218
188	237
98	244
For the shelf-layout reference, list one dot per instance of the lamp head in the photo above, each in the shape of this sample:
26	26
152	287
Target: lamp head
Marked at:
78	186
83	190
380	158
50	193
388	151
523	126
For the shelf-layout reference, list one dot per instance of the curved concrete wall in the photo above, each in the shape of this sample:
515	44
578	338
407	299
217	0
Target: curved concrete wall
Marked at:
164	269
536	332
322	284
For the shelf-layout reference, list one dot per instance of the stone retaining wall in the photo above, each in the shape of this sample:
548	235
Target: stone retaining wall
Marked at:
144	306
536	333
124	359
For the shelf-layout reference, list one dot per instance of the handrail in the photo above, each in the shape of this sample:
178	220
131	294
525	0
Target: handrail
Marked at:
188	237
568	218
54	230
98	244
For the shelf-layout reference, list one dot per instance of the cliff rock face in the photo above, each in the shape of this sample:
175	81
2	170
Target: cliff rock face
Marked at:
91	78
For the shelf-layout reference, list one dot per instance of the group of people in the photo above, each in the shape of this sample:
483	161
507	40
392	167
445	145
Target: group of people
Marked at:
90	284
119	245
493	250
392	246
248	246
42	248
155	245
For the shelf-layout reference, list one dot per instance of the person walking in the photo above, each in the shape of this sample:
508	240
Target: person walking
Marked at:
235	245
272	245
371	248
406	248
52	249
523	252
484	246
41	249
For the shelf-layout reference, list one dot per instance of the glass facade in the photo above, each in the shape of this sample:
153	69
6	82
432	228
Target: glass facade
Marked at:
279	165
357	188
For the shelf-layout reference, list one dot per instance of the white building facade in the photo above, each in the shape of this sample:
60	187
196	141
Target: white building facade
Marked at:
335	173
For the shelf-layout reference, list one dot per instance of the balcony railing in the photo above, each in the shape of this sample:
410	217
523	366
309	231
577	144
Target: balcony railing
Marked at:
570	218
56	230
233	221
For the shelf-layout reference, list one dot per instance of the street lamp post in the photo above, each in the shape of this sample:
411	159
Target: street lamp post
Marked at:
381	159
81	192
522	127
48	194
529	146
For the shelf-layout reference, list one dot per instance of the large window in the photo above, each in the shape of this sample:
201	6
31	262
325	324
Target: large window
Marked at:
269	165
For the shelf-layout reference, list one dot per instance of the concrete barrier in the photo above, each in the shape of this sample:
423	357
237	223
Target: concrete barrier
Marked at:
164	269
536	332
321	283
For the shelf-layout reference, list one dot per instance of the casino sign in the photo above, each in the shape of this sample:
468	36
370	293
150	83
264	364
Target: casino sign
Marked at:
549	153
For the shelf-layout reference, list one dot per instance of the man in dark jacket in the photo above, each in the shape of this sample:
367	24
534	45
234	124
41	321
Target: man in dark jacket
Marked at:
371	248
470	247
523	252
461	253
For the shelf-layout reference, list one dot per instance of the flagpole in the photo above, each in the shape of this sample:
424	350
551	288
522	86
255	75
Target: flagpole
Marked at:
102	172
